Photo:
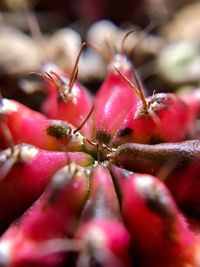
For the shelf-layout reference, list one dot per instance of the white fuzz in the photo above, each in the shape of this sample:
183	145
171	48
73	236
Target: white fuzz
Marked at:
22	152
5	253
49	67
77	138
7	106
73	94
27	152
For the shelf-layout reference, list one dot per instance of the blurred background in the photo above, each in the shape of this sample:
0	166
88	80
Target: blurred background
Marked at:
164	43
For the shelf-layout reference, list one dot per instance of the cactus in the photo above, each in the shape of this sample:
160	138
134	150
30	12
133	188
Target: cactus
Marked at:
101	181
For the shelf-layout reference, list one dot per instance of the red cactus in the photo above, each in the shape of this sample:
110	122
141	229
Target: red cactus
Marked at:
105	239
114	100
158	228
54	215
177	164
25	172
84	216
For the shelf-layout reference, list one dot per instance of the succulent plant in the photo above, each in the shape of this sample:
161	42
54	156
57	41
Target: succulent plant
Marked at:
99	181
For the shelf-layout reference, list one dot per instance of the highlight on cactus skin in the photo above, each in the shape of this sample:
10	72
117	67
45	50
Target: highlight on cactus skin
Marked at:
106	180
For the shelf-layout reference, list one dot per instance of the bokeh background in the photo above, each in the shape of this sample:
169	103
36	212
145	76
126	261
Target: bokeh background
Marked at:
164	44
